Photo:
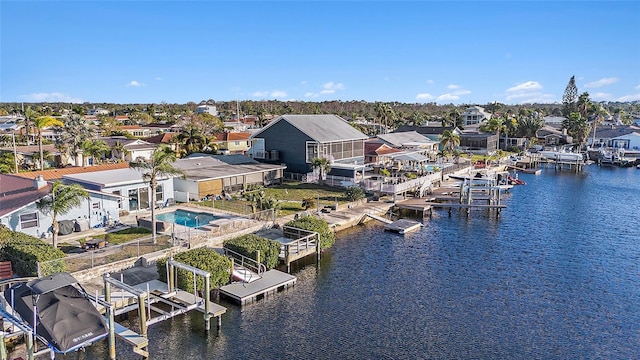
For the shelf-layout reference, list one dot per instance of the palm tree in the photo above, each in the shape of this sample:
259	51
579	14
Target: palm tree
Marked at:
494	125
323	165
97	149
452	118
61	200
40	123
76	130
193	139
119	150
449	140
160	164
29	115
7	163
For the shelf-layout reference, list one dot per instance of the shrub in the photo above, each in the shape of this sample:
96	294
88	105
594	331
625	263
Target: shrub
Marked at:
248	244
202	258
25	252
354	193
308	203
311	223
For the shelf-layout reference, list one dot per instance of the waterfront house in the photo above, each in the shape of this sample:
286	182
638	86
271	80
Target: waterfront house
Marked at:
295	140
478	142
132	148
127	184
19	210
551	136
376	152
207	175
624	137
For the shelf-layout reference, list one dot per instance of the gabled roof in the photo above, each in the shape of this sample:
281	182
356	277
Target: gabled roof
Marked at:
373	148
17	192
321	128
232	136
163	138
610	132
208	168
398	139
54	174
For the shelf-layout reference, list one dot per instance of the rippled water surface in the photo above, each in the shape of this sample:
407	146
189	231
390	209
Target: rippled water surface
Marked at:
557	275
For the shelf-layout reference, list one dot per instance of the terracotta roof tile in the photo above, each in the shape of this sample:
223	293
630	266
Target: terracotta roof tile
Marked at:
54	174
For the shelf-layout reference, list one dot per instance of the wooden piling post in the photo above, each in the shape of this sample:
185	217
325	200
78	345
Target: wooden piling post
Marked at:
142	314
112	328
207	290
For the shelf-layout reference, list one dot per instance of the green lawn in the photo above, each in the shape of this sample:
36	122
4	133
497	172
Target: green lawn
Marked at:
289	194
121	236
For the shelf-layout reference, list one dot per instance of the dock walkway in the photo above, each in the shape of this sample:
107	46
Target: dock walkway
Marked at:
271	282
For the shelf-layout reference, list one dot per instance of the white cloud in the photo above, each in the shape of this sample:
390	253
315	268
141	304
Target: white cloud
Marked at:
634	97
311	95
452	87
447	97
525	86
424	96
159	78
303	82
462	92
270	94
429	81
601	96
637	87
50	97
602	82
333	86
278	94
134	83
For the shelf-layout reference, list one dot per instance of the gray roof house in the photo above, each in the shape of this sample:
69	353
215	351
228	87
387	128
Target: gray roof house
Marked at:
207	175
127	184
296	139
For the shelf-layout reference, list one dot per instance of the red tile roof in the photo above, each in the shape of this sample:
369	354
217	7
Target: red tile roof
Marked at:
163	138
235	136
54	174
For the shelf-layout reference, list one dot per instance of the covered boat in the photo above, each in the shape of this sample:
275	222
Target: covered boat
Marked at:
66	319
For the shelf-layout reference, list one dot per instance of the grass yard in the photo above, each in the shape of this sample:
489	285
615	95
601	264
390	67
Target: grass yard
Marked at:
290	196
121	236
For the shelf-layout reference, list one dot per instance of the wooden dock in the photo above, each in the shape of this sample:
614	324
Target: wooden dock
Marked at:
271	282
403	226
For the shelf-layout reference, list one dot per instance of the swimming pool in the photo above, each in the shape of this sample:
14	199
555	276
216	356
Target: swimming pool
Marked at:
187	218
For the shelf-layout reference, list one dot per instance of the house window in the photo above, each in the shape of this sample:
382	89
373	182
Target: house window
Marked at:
117	192
28	220
312	151
95	205
159	193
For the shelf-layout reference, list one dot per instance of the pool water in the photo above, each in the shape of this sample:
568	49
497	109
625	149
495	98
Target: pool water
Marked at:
187	218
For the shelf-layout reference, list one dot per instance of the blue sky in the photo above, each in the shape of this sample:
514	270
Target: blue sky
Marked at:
423	51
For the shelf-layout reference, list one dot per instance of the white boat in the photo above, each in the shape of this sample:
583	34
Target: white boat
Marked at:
562	156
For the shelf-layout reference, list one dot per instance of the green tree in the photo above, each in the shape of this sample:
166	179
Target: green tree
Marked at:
255	198
29	116
118	150
61	200
40	123
322	165
160	164
452	118
7	163
97	149
75	132
449	140
192	139
577	127
570	98
584	105
495	125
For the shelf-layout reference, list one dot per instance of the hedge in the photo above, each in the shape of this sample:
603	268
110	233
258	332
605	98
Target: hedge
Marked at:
248	244
206	259
312	223
25	252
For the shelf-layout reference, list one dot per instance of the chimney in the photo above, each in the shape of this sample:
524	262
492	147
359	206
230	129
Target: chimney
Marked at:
39	182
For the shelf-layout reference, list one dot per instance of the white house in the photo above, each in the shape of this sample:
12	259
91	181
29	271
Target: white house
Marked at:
475	115
128	184
208	109
19	210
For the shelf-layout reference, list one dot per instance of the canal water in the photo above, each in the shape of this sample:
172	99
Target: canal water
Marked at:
556	276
